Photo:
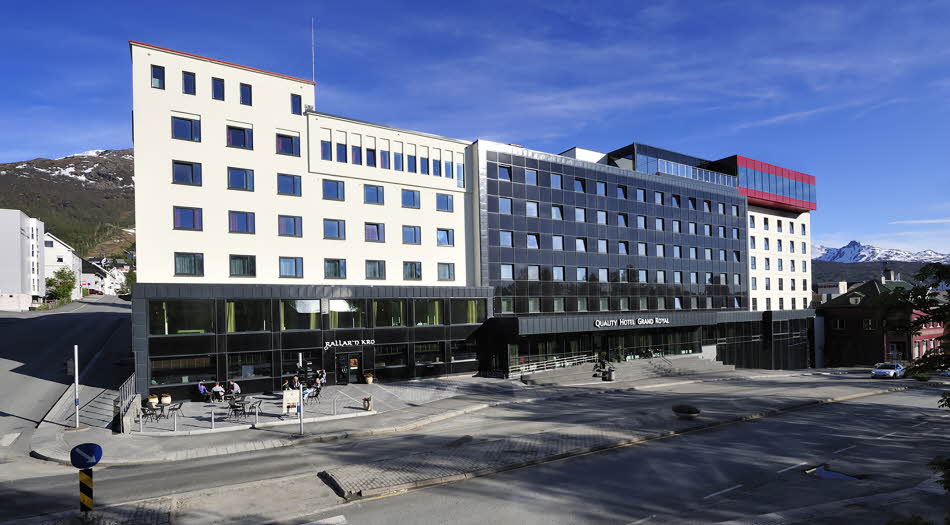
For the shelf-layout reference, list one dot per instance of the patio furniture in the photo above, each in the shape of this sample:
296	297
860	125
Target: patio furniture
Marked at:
147	412
312	397
254	407
175	409
237	410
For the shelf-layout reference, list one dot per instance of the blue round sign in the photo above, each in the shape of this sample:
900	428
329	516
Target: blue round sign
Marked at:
85	455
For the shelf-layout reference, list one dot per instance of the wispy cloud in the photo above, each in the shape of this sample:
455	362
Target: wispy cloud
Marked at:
922	221
796	115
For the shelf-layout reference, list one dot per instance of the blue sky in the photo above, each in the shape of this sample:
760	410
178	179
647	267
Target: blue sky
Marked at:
855	93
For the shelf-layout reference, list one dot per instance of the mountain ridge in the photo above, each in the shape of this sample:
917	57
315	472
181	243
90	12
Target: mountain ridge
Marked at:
856	252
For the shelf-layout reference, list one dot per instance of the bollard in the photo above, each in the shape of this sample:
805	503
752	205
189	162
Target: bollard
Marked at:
141	422
175	417
257	415
334	406
212	419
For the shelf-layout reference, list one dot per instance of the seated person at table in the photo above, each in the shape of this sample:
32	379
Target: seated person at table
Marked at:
285	385
203	392
233	388
310	389
295	384
217	392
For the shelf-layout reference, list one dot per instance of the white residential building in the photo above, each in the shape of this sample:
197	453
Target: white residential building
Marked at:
22	283
61	255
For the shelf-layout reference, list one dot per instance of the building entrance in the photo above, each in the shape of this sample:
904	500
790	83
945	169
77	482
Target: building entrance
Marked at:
348	368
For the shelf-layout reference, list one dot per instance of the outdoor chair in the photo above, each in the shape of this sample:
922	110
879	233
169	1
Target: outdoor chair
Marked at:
236	410
314	397
147	412
254	407
175	409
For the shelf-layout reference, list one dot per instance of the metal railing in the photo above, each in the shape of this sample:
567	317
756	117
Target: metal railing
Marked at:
551	364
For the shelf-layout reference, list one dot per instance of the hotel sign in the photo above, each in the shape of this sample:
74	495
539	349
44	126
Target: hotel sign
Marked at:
630	321
350	342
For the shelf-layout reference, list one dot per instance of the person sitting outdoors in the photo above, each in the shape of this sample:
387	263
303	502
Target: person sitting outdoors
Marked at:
233	388
217	392
203	392
285	385
310	389
295	384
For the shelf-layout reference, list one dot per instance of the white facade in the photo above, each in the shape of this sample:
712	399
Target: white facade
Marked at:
22	282
61	255
268	116
779	259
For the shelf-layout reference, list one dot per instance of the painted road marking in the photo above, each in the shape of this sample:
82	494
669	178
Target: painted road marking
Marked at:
886	435
918	424
335	520
714	494
786	469
642	520
843	449
8	439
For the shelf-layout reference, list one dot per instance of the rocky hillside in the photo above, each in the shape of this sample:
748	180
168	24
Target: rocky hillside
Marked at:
855	252
86	199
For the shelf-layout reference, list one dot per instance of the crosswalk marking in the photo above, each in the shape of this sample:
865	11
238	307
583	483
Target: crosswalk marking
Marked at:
8	439
335	520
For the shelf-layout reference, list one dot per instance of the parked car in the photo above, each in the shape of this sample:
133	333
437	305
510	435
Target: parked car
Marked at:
890	370
94	292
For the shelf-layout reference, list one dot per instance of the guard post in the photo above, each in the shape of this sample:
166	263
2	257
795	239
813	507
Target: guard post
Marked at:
84	457
85	490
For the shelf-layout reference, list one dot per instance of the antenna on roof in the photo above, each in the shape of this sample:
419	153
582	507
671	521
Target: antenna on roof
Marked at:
313	52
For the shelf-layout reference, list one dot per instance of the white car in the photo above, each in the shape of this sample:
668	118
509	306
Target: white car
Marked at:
890	370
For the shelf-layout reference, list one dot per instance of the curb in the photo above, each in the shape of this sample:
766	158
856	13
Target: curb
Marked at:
394	489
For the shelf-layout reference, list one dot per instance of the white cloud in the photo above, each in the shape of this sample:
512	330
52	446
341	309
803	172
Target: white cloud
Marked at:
922	221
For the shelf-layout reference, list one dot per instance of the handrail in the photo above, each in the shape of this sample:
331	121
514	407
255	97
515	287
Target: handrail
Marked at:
550	364
126	394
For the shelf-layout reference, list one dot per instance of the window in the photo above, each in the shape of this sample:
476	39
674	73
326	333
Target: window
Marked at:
240	137
641	195
752	262
557	273
602	276
189	264
722	255
444	202
768	263
779	265
534	272
412	270
735	233
735	256
557	242
506	305
580	244
187	218
707	254
707	230
333	190
446	271
289	226
661	276
580	185
187	83
243	265
557	212
658	197
691	202
334	269
693	252
376	270
374	232
778	225
693	277
803	247
48	244
580	215
436	168
778	244
707	206
504	205
768	283
186	129
423	165
676	201
622	220
411	235
533	241
371	157
721	231
384	159
691	228
765	223
410	199
397	161
582	274
735	210
803	229
334	229
678	252
601	188
158	77
356	155
531	209
555	181
288	184
531	177
289	145
291	267
754	283
186	173
642	249
347	313
326	150
445	237
623	248
296	104
765	243
507	271
677	226
217	88
246	94
581	304
721	208
241	222
641	222
621	192
642	277
791	246
373	194
660	224
755	304
601	245
505	238
504	173
341	152
240	179
558	304
660	250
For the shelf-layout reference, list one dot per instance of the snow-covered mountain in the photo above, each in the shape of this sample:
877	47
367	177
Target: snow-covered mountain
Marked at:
854	252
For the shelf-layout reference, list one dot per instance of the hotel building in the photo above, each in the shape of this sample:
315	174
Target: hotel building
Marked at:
266	229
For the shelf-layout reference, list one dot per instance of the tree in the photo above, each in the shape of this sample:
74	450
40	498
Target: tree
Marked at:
129	281
60	285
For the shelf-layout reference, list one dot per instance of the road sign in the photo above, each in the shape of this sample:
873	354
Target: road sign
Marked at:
86	455
85	488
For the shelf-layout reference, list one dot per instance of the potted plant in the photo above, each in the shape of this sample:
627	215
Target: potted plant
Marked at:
153	400
686	411
368	376
368	403
166	399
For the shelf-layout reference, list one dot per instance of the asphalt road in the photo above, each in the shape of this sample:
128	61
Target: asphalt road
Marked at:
33	349
662	477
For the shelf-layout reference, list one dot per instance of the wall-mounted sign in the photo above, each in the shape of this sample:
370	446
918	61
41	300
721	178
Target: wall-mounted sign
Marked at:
349	342
630	321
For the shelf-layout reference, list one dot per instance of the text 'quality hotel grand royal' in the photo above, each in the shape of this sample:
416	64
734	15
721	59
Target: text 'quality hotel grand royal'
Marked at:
266	229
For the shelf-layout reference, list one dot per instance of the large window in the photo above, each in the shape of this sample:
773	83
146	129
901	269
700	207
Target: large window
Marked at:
288	145
289	226
446	271
389	312
288	184
248	316
334	229
217	88
158	77
445	237
356	154
189	264
428	353
300	315
411	163
246	98
371	157
187	83
186	129
412	270
334	268
178	370
240	137
424	165
347	313
243	265
291	267
180	317
504	173
410	199
187	218
333	190
241	221
373	194
240	179
249	365
397	161
375	232
186	173
444	202
411	235
467	311
375	269
392	356
326	150
428	312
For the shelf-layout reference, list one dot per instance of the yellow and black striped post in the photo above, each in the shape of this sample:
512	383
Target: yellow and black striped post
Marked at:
85	490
